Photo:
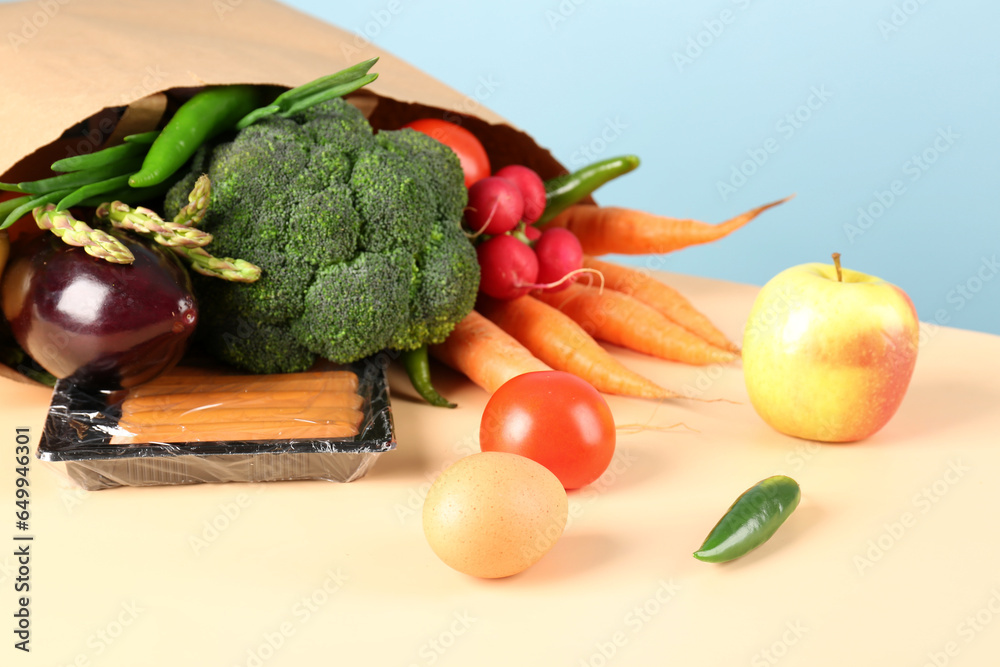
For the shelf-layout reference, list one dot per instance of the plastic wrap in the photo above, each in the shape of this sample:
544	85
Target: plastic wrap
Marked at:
84	431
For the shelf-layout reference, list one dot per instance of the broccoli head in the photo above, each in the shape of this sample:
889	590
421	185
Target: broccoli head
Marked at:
357	234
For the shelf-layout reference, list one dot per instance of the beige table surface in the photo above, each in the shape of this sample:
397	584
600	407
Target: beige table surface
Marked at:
892	558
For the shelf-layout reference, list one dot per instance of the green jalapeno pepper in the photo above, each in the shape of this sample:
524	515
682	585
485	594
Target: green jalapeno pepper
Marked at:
751	520
562	192
418	368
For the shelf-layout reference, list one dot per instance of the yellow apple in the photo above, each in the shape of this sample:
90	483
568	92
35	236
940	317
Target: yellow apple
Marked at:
828	352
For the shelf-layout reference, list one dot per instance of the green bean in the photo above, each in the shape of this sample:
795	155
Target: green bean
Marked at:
257	114
328	94
9	205
74	179
100	158
324	82
98	189
751	520
10	187
562	192
419	370
316	91
142	138
129	195
25	208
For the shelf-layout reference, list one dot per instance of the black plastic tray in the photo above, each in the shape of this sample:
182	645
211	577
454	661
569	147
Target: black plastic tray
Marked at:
81	423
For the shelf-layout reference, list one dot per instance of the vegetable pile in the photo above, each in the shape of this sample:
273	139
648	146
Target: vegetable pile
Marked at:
351	241
354	236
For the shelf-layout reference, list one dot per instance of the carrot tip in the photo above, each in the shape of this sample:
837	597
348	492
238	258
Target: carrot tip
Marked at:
639	428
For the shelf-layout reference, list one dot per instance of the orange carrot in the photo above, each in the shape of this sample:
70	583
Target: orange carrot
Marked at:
639	284
560	342
609	229
624	320
485	354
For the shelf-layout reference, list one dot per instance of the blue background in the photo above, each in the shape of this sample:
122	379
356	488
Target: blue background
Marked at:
697	89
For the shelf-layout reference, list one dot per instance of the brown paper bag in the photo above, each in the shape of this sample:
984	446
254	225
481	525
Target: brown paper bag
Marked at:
79	75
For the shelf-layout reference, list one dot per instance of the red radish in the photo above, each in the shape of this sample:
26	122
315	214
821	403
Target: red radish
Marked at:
495	206
532	233
532	189
508	268
559	253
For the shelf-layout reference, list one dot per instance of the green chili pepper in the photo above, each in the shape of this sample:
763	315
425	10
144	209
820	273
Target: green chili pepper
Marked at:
419	369
29	203
200	119
102	158
75	179
562	192
751	520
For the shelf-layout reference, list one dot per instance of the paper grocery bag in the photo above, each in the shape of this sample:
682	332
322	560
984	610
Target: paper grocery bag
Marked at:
77	75
64	61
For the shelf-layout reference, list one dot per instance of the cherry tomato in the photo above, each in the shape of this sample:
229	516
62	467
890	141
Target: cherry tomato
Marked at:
553	418
466	146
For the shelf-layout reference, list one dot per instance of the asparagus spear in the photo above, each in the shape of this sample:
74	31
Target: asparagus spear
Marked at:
75	232
146	222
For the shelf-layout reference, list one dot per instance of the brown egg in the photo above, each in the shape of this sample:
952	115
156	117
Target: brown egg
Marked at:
494	514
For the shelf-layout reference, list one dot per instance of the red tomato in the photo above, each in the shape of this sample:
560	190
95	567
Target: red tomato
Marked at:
553	418
466	146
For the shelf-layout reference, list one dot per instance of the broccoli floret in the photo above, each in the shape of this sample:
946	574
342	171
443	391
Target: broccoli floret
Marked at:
436	161
393	202
370	294
444	268
357	234
245	343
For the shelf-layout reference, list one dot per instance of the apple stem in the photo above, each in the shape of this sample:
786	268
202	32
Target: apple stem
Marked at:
836	263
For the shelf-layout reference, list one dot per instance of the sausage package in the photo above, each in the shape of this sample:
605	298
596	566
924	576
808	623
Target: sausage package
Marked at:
200	423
